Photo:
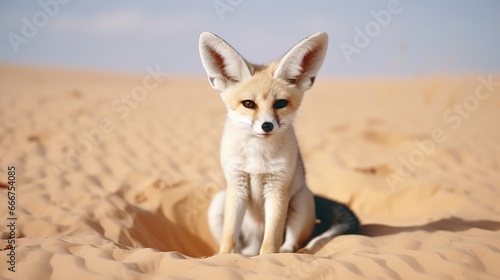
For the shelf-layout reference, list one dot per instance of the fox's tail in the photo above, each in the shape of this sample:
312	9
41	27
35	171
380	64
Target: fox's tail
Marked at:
334	219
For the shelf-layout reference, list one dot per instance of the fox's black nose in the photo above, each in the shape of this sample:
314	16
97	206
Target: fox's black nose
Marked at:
267	126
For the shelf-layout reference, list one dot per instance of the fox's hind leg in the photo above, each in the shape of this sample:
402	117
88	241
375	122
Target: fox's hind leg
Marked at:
335	219
250	237
216	215
300	220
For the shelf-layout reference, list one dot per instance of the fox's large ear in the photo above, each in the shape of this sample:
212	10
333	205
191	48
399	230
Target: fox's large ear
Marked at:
224	65
301	64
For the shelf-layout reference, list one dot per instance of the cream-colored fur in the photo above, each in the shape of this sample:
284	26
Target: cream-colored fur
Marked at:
266	199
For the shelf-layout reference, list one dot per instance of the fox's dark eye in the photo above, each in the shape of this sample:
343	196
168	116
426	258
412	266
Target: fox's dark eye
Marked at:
280	103
249	104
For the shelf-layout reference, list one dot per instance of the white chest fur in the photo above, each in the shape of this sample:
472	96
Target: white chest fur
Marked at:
275	155
262	156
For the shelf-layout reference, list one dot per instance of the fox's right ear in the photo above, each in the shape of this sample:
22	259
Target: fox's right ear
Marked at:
224	65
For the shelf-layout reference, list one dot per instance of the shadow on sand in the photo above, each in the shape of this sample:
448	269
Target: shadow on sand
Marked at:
453	224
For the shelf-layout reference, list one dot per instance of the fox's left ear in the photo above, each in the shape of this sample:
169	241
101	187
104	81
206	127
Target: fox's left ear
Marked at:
301	64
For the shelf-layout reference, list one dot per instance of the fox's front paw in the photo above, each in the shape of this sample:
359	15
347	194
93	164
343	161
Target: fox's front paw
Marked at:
226	251
227	247
304	251
287	249
266	249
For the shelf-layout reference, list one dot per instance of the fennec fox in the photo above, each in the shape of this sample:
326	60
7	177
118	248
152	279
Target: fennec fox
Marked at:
266	207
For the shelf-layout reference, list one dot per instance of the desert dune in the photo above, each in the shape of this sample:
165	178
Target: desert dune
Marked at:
114	174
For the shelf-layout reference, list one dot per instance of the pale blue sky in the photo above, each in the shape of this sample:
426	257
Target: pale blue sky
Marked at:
422	37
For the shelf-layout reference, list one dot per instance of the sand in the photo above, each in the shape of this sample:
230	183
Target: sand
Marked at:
114	174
